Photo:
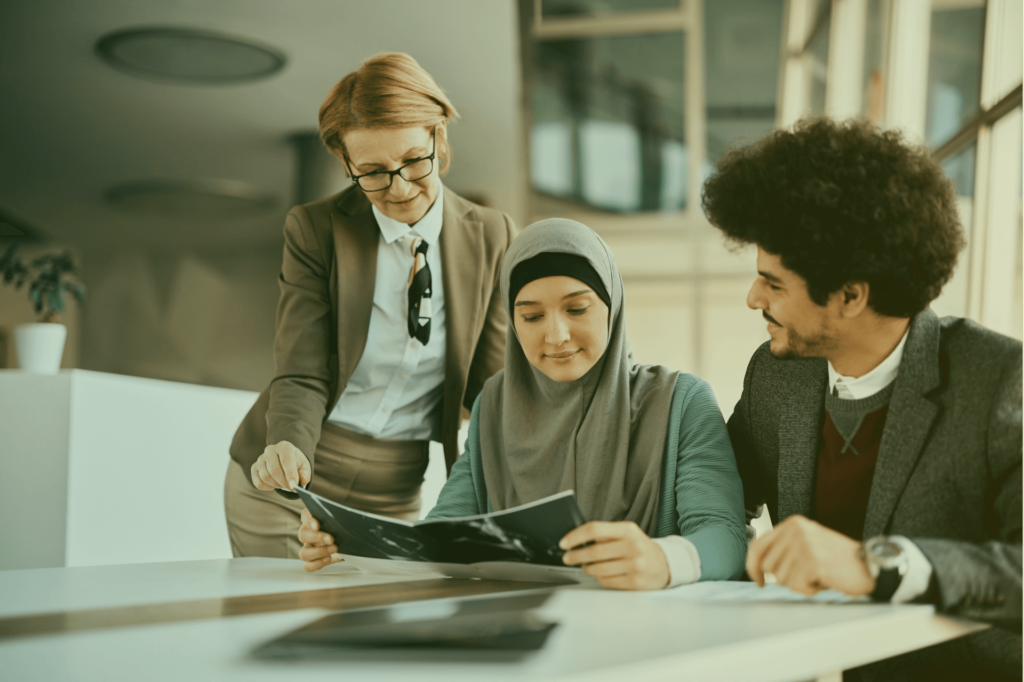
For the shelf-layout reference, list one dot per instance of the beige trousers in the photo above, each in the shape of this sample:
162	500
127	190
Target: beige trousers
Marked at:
374	475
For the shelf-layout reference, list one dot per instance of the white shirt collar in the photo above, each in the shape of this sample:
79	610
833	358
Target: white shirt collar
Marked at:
850	388
429	226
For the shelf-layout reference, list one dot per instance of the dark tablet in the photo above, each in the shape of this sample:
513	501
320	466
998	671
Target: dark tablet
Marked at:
504	625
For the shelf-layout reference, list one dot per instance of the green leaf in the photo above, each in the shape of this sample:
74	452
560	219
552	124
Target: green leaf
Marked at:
8	258
56	301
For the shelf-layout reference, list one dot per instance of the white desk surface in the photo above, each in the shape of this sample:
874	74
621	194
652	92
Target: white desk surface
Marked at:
46	590
603	635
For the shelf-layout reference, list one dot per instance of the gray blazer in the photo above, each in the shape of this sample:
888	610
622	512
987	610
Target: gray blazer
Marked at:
327	279
949	465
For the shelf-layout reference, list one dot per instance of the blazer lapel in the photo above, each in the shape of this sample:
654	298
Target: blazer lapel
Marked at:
356	237
908	421
799	430
462	258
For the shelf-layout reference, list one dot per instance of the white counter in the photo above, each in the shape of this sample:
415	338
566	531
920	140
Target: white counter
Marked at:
111	469
105	469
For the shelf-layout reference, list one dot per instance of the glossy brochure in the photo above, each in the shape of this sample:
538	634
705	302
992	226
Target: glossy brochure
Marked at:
513	544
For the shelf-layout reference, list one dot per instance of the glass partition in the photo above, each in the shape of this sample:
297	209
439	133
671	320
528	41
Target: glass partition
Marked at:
960	170
742	44
608	123
873	90
954	71
817	56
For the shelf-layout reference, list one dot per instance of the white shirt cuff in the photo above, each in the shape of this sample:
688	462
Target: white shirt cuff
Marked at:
919	572
683	559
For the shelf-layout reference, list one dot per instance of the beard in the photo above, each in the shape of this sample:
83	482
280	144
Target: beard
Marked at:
816	345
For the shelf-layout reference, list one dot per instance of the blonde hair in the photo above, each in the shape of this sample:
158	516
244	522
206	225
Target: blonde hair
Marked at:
390	90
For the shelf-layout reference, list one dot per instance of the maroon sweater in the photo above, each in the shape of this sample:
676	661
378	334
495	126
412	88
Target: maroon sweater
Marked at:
847	455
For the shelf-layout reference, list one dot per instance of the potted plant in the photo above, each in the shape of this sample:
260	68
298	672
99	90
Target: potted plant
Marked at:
49	277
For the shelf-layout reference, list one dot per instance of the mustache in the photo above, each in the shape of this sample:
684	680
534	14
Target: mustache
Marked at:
769	318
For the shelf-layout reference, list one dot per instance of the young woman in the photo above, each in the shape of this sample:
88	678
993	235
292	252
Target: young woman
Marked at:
644	448
389	319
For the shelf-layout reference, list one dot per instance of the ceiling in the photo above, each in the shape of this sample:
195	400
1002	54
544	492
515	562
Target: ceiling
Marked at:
71	127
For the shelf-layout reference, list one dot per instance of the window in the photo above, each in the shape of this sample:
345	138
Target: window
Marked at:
742	44
946	73
954	70
629	105
876	29
608	122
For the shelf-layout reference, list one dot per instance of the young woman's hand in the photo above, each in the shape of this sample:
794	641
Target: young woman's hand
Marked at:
280	466
318	549
622	557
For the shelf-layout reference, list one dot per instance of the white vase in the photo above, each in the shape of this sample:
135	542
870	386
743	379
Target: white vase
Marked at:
40	346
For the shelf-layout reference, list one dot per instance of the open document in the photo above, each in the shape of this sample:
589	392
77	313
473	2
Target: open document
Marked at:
513	544
733	591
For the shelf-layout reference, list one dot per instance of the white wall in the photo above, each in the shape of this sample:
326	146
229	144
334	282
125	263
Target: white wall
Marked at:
200	316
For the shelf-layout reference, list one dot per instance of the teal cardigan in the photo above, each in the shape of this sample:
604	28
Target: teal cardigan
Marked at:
701	495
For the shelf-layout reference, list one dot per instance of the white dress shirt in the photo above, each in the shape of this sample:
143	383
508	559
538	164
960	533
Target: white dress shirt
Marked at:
397	388
919	569
857	388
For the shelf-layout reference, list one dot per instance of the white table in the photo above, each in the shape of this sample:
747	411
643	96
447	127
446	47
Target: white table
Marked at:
603	635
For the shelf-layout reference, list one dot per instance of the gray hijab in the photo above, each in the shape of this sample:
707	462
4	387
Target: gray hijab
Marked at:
603	435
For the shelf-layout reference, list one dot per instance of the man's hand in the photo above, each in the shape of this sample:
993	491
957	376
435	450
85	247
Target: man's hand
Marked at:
622	557
807	557
281	466
318	549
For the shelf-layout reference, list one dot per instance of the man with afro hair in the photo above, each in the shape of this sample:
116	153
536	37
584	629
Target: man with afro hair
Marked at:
884	441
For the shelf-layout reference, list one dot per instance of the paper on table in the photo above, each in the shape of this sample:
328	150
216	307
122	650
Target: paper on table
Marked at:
731	591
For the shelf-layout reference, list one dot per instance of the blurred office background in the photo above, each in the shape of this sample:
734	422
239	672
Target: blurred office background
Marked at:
163	142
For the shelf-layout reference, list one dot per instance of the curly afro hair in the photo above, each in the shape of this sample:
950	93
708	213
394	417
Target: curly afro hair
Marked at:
843	202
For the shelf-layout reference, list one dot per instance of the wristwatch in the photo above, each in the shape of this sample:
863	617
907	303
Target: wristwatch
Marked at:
887	563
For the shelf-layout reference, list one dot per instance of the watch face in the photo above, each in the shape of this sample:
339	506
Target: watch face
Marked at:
885	552
884	549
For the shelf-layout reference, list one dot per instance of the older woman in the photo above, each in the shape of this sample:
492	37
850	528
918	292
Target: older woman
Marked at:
389	322
644	447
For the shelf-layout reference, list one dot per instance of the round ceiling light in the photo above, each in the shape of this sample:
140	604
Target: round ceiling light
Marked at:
188	55
195	199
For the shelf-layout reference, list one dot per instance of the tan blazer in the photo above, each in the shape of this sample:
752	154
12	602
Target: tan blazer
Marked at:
322	319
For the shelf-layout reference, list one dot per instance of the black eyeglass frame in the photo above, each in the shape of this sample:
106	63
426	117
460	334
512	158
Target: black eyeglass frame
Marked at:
397	171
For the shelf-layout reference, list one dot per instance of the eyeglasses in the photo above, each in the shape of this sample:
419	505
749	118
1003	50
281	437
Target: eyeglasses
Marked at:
378	181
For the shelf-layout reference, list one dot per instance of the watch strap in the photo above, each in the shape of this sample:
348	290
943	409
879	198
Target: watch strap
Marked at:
886	584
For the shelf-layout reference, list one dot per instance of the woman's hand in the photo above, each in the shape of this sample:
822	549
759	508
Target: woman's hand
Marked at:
318	549
621	557
281	466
